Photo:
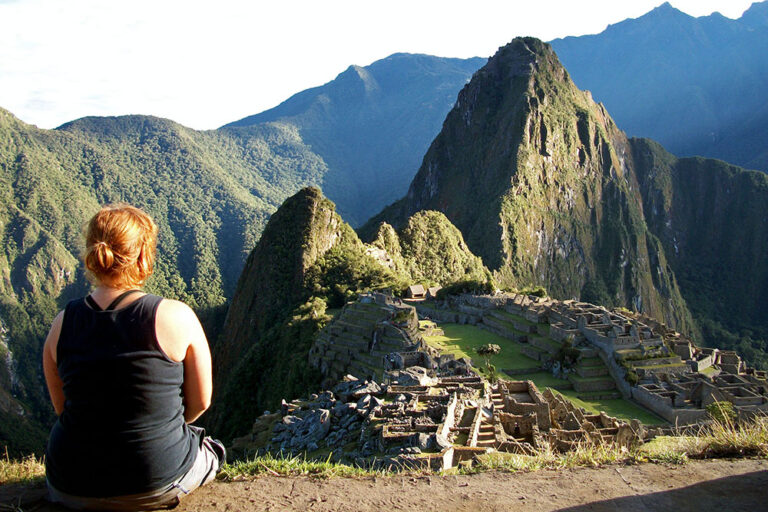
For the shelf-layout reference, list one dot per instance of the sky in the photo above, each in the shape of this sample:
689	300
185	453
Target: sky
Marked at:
204	64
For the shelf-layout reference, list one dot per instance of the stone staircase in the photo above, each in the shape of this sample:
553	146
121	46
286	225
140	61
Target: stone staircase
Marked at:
486	437
591	379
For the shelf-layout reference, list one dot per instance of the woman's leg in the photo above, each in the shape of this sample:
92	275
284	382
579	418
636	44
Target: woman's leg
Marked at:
209	459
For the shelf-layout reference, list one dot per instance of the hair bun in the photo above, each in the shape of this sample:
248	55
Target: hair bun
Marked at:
103	255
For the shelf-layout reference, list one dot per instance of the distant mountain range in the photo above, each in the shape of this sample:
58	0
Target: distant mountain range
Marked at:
696	85
371	125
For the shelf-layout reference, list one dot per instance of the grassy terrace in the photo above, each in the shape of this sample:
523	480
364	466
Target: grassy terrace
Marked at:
462	340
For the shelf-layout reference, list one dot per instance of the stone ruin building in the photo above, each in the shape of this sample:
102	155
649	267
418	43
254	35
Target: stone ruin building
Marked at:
446	421
620	353
370	335
414	406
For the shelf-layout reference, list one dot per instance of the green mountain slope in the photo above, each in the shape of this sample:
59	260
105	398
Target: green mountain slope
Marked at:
210	193
712	219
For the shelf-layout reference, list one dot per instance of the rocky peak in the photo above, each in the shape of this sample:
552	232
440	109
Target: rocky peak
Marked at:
300	232
540	182
756	16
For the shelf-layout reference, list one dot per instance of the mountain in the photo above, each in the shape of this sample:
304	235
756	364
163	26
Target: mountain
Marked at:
535	175
549	191
712	219
372	125
210	193
696	85
309	260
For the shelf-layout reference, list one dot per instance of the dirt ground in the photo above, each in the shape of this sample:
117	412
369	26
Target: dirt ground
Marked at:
696	486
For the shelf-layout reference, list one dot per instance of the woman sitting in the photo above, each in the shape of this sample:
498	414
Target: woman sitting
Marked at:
126	371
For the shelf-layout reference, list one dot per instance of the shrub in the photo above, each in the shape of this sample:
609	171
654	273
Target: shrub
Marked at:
722	412
466	286
536	291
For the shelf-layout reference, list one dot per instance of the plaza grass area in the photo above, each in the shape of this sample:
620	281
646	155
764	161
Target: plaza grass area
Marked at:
462	340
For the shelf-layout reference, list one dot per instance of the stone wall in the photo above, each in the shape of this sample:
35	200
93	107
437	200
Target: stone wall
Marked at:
662	406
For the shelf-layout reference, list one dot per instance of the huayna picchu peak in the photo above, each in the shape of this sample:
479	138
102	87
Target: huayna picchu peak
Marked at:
540	181
549	191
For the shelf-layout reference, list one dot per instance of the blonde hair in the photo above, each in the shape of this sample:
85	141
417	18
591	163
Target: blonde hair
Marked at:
120	244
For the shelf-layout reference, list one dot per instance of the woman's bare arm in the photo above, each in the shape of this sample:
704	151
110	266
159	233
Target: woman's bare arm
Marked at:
50	369
182	338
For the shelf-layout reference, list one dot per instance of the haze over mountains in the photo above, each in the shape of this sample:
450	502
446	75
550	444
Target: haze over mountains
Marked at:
371	125
696	85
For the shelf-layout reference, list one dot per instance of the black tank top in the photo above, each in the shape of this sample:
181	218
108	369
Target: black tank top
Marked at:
122	430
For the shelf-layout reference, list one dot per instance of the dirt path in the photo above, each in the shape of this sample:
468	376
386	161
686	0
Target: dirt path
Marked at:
697	486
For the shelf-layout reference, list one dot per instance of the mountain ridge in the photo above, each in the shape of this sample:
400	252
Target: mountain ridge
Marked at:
692	83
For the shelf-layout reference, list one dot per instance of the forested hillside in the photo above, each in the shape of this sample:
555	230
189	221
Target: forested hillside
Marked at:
211	193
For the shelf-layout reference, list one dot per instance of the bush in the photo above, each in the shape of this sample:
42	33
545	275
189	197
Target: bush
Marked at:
466	286
536	291
721	412
490	349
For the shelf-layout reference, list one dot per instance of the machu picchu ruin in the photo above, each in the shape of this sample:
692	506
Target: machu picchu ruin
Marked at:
393	397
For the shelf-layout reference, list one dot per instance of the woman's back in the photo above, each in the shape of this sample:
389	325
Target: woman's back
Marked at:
122	430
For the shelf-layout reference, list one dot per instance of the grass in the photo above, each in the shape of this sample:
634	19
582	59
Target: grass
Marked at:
712	441
616	407
294	466
724	439
462	340
25	471
544	380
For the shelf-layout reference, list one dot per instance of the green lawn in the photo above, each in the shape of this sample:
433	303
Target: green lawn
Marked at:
543	380
462	340
618	408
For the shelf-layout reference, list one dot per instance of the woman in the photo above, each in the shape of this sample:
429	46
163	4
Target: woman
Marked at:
126	371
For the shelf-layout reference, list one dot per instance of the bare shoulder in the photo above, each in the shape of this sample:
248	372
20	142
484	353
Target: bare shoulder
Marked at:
177	326
174	310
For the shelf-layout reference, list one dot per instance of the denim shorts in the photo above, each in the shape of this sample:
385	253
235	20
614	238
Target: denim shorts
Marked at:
208	461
